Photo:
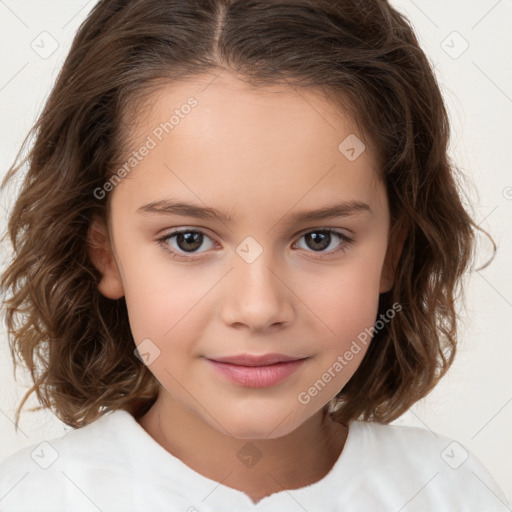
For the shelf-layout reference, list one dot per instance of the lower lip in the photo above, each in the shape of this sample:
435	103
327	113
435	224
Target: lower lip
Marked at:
257	376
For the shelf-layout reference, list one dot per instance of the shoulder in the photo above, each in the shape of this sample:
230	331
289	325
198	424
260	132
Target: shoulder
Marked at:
41	475
421	469
388	438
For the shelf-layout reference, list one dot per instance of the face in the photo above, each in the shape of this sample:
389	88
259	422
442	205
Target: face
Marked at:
261	276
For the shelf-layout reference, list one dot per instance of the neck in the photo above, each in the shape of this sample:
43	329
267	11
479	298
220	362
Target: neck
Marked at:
257	467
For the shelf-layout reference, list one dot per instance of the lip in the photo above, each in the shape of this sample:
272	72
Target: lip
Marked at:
257	371
255	359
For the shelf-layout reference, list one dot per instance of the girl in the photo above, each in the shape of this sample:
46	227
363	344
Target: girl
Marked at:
236	253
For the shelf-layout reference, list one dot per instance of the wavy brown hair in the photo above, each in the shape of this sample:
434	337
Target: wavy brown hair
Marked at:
76	343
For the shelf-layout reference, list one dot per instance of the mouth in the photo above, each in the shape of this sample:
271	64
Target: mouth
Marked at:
255	359
257	371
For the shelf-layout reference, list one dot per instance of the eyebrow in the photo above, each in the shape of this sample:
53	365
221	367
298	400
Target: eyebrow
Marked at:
170	207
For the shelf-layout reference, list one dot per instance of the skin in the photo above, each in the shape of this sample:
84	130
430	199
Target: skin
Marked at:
260	155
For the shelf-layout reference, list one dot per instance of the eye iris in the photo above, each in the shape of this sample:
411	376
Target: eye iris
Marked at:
319	239
189	241
189	237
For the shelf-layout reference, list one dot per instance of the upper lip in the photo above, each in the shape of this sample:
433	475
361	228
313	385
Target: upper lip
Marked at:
256	360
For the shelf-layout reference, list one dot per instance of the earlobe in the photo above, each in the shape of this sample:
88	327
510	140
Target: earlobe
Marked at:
393	254
102	257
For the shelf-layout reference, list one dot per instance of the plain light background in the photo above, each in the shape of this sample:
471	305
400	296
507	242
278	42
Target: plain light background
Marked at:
469	43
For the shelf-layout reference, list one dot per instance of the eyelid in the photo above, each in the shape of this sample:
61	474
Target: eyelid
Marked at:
182	256
345	241
336	230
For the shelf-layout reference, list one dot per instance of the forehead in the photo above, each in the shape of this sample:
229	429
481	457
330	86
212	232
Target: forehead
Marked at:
225	101
228	141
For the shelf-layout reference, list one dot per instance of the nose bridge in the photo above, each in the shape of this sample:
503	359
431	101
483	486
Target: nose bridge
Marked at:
256	295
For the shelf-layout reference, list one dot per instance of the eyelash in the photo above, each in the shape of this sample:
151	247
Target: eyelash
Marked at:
345	242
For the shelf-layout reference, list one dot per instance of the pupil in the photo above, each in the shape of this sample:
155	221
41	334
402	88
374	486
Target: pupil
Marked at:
190	237
318	240
321	239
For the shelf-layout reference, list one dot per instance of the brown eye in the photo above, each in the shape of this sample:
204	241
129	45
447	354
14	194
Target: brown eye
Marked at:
181	242
189	241
318	240
321	239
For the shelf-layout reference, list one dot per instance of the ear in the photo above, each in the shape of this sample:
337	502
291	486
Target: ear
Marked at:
395	247
102	257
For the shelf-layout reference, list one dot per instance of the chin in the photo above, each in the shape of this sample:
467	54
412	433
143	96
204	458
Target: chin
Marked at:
261	424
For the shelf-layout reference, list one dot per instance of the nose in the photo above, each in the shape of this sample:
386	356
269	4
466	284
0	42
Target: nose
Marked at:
255	295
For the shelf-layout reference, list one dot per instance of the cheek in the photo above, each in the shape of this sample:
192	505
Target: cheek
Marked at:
349	317
165	301
344	299
347	320
345	302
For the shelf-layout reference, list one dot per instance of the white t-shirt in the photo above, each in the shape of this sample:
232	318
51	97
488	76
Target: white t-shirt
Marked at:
113	464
